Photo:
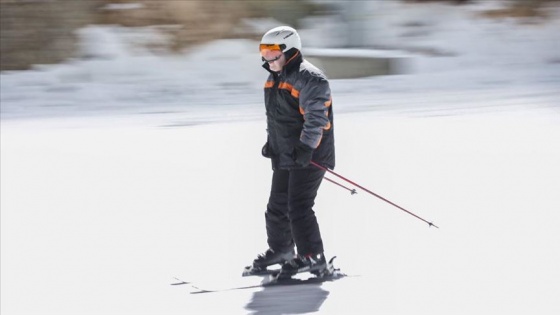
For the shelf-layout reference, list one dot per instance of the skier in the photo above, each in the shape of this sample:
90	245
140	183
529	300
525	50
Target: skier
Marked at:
300	130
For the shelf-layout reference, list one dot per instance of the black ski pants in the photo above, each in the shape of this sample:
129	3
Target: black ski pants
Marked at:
290	219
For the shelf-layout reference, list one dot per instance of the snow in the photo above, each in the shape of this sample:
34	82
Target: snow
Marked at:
129	167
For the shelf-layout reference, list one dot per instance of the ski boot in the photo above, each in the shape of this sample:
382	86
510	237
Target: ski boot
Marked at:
268	258
314	264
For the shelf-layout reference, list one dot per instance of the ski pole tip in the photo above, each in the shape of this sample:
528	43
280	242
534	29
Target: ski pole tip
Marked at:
430	224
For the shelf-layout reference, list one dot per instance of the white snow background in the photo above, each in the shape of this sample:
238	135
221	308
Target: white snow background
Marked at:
125	169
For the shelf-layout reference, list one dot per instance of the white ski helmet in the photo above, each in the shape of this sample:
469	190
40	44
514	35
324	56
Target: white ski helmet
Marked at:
284	36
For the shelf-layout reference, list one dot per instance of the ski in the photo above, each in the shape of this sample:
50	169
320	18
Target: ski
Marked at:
269	281
251	271
270	278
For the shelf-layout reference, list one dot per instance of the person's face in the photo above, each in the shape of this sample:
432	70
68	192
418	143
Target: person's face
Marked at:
275	58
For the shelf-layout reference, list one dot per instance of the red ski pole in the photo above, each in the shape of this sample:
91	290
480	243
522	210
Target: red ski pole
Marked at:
372	193
352	191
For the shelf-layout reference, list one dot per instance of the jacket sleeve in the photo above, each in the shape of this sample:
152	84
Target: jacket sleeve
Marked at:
314	100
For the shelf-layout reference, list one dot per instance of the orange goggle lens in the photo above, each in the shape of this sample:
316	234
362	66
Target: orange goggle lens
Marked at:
279	47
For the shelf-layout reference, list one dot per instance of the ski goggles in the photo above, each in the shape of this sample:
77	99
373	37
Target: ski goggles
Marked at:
271	52
272	59
279	47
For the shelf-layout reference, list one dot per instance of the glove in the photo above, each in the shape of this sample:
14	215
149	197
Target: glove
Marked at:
302	154
265	151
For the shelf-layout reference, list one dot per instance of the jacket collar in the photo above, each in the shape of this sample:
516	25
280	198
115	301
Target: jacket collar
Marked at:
294	59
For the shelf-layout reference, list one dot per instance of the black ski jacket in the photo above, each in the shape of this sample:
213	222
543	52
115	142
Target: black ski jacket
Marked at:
299	108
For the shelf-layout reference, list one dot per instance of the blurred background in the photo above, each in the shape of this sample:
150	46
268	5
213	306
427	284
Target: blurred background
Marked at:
45	31
131	135
88	57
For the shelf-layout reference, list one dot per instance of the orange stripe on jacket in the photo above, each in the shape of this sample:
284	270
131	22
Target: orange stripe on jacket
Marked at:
295	93
284	86
293	57
328	104
327	127
287	86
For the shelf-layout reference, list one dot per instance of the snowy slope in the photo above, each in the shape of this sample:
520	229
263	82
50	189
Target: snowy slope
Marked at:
126	169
